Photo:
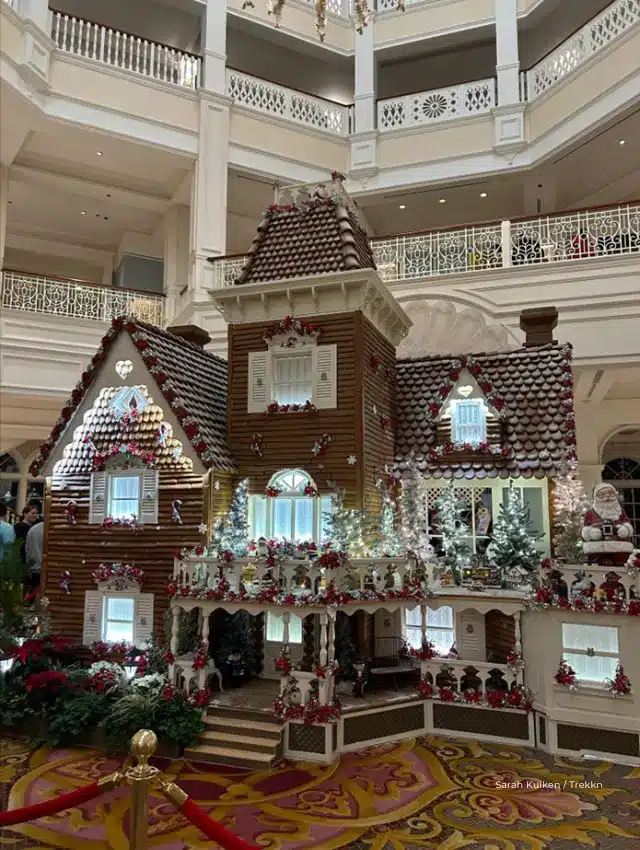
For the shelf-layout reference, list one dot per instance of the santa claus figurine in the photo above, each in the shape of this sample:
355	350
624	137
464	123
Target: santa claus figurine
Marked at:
606	531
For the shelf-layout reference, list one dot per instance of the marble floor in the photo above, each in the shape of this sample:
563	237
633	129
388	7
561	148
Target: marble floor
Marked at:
429	793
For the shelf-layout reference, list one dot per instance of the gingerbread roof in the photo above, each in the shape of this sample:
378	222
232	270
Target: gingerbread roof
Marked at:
532	388
192	381
321	236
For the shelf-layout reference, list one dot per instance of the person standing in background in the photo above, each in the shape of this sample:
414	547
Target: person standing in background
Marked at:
33	552
7	532
29	517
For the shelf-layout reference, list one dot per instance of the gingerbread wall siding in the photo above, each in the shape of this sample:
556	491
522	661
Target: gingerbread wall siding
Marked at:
379	408
288	438
79	548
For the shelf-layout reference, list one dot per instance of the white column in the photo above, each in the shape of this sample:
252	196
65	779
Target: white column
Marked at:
176	258
38	12
4	206
323	639
508	62
209	193
364	136
286	617
214	46
365	78
423	623
175	628
331	640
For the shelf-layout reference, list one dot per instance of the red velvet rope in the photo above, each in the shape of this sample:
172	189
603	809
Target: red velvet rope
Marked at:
212	829
51	807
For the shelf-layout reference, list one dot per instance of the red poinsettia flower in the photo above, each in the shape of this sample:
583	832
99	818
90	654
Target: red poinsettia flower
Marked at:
29	649
47	680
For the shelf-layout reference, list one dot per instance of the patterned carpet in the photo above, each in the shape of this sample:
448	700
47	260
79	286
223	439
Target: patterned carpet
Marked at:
425	794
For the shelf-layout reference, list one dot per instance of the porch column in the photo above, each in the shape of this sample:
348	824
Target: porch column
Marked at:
286	617
516	619
331	648
507	59
323	638
423	623
175	629
205	626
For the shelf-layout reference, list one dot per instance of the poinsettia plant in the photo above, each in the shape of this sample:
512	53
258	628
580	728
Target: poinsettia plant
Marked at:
283	663
620	685
201	657
288	326
566	675
130	453
119	575
425	652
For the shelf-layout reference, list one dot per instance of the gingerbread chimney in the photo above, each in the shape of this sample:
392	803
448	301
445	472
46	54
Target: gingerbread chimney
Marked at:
538	324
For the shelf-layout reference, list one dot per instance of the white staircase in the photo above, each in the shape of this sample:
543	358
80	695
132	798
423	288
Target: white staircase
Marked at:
239	737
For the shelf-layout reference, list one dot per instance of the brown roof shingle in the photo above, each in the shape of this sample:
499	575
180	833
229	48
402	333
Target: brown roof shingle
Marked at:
318	237
538	418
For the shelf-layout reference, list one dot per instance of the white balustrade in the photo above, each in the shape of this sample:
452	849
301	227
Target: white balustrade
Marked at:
392	5
455	672
226	271
611	24
59	297
433	107
340	8
123	50
589	234
287	104
580	578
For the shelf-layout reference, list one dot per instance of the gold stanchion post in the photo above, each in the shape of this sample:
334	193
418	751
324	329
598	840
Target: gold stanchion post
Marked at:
143	746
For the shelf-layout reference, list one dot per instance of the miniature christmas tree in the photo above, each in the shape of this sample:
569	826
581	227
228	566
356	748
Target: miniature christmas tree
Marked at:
570	504
513	543
415	526
391	544
353	531
232	531
454	532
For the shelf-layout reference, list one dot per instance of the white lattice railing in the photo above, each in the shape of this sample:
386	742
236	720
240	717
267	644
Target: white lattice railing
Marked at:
588	234
290	105
612	23
122	50
430	107
340	8
59	297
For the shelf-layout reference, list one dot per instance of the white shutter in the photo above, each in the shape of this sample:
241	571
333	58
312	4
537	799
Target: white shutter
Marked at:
92	626
149	497
471	646
325	372
259	381
98	497
144	620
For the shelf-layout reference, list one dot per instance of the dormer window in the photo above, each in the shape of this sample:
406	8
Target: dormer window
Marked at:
124	495
468	421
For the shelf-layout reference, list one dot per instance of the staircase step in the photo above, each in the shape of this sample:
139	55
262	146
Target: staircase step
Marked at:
254	715
228	756
240	742
228	724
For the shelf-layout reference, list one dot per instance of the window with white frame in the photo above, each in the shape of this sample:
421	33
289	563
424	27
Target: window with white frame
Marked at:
305	372
118	619
468	421
124	495
292	377
275	628
440	628
292	515
592	651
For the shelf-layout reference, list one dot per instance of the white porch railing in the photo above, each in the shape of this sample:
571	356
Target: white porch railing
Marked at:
611	24
60	297
584	235
340	8
122	50
457	674
290	105
432	107
588	234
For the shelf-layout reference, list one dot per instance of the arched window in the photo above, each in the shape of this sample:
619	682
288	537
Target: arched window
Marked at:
293	514
622	469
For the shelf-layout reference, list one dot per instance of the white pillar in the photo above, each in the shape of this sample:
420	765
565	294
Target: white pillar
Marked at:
365	136
331	641
214	46
209	193
4	201
286	617
507	62
423	624
38	12
365	78
176	258
323	639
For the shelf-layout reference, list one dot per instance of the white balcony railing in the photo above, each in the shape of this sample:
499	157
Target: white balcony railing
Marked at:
270	99
60	297
340	8
611	24
125	51
457	674
589	234
431	107
585	235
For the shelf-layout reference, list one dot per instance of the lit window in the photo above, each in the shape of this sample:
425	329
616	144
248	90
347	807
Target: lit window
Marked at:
292	515
592	651
124	496
275	629
440	628
468	423
292	382
118	619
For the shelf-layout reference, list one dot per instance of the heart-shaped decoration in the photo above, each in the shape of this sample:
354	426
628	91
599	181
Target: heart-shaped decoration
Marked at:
124	368
465	392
